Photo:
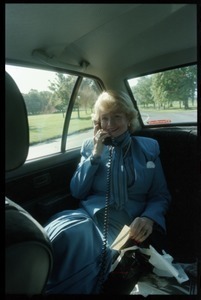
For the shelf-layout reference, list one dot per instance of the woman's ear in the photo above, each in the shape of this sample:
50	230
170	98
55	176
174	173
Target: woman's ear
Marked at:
97	124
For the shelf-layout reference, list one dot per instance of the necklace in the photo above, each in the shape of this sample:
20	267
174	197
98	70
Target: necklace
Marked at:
128	147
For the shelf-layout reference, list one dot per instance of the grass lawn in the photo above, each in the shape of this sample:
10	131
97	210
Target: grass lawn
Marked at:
50	126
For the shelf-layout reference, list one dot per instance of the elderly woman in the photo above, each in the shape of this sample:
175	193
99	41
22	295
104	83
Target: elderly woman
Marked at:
122	172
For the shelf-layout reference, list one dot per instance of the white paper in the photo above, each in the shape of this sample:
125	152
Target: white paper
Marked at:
163	264
121	238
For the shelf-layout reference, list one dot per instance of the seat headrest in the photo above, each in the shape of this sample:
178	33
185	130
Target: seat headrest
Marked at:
16	127
29	253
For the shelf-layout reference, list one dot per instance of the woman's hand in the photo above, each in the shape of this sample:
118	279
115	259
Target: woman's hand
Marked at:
141	228
99	136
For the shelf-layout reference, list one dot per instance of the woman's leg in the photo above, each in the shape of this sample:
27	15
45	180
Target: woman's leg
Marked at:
116	221
77	246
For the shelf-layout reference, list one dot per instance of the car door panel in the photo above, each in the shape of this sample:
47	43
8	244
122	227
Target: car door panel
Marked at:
44	188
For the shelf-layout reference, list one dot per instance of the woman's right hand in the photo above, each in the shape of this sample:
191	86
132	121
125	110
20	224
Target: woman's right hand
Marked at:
141	228
99	136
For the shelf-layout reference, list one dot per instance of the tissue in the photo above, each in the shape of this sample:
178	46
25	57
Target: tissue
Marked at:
163	265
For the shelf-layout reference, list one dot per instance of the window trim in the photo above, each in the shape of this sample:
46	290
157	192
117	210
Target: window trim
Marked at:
142	125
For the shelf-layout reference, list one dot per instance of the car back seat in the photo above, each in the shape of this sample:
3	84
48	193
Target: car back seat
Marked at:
180	160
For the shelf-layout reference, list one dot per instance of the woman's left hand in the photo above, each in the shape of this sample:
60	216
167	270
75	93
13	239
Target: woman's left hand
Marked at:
141	228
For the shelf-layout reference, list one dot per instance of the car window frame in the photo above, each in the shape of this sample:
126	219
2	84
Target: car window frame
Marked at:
142	125
80	77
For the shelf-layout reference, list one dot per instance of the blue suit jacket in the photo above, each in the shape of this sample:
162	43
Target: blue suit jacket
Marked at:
149	196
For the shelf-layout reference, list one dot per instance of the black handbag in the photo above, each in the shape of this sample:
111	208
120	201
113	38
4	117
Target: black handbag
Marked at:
127	272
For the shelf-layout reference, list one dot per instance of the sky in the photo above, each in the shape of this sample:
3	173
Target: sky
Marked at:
24	80
27	79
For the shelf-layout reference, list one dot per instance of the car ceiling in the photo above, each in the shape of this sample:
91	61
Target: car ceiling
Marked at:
103	40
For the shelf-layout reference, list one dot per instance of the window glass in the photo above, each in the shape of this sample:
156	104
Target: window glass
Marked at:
81	126
167	97
47	96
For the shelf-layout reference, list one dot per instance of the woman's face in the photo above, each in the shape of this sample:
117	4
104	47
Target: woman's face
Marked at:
115	123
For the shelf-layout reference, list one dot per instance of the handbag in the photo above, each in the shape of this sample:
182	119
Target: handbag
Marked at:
129	264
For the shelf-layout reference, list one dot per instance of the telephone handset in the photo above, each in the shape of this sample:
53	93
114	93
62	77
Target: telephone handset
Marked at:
108	141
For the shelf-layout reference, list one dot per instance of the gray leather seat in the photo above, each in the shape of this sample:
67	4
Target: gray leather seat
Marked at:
28	252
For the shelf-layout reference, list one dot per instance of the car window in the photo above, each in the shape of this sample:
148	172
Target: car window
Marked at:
81	126
51	118
167	97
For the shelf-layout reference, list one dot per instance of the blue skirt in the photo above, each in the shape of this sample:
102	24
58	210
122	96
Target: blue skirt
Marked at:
77	251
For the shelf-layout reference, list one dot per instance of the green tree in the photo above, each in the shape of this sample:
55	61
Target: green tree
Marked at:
86	97
142	91
38	102
188	86
47	105
175	85
164	88
62	88
33	102
88	94
158	93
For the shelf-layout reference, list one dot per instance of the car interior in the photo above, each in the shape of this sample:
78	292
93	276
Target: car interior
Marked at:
109	44
26	239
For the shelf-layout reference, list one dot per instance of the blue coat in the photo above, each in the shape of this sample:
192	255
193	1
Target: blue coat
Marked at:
148	196
76	239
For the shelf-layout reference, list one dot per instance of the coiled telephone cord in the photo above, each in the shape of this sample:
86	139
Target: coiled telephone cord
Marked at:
105	224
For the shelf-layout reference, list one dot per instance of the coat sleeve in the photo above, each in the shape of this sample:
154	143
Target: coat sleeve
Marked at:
158	197
82	179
